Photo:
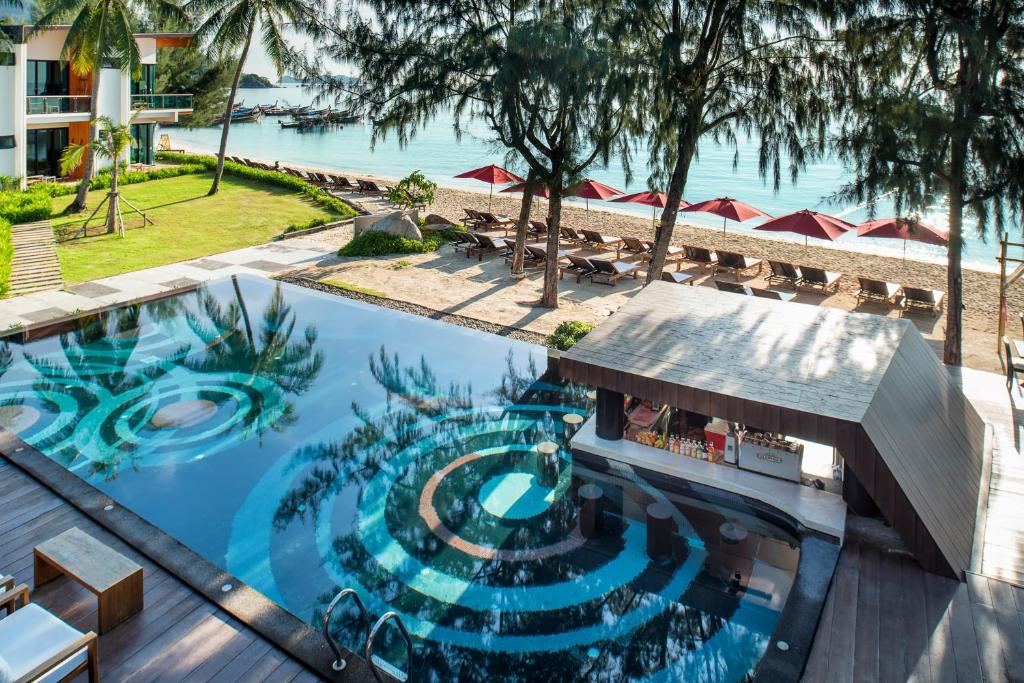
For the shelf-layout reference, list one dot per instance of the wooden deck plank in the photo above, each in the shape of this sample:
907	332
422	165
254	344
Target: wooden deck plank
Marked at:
178	635
963	638
938	594
868	586
1011	635
842	653
892	644
916	664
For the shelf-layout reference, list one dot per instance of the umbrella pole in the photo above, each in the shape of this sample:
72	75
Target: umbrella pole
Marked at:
724	219
489	197
904	249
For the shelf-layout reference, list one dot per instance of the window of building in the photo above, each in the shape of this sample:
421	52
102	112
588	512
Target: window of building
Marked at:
146	83
44	77
143	133
43	149
6	142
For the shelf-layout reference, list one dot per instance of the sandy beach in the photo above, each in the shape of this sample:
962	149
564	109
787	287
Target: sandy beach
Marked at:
981	288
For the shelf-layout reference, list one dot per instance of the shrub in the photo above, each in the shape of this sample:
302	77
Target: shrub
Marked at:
568	333
296	227
34	204
10	182
6	256
384	244
413	190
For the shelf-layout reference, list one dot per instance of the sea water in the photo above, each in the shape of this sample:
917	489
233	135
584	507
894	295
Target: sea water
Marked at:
440	155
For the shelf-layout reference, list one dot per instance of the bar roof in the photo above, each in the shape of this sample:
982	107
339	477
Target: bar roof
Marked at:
867	384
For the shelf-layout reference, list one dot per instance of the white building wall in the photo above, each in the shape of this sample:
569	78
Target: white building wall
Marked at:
47	44
8	74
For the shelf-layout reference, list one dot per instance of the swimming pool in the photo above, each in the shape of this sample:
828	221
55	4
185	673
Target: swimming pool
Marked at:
305	443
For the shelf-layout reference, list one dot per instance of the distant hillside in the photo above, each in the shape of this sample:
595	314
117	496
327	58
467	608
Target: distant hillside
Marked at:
254	81
291	80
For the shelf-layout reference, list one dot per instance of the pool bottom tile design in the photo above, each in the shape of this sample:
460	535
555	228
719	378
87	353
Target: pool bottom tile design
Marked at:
307	444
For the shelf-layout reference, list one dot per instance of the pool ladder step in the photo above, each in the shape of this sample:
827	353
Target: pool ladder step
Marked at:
377	664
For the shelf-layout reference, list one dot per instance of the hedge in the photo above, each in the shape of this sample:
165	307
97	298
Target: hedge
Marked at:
6	256
384	244
568	333
34	204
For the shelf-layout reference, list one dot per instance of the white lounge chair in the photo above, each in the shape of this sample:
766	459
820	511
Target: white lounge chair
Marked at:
36	646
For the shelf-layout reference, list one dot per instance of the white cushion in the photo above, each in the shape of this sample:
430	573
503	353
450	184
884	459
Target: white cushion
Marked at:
32	635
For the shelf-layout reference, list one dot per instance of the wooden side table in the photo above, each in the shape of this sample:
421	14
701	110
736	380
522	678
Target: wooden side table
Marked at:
116	580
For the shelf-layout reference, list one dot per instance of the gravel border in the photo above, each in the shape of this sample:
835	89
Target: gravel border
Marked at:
423	311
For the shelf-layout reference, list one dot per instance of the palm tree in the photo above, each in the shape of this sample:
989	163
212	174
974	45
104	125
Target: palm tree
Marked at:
112	143
231	24
100	34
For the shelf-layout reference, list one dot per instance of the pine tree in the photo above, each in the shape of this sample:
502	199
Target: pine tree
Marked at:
936	113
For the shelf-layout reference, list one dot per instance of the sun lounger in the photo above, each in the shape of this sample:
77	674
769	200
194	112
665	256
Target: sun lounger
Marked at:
731	287
705	258
370	187
610	272
783	273
36	645
472	219
538	229
737	263
490	221
537	256
637	246
341	182
592	238
678	278
579	266
766	293
570	234
488	245
877	291
464	240
923	299
816	278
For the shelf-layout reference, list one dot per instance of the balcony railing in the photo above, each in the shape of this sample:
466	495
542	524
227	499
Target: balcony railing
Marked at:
58	104
161	101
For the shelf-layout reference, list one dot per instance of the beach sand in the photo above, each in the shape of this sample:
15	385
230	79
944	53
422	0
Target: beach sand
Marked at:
981	289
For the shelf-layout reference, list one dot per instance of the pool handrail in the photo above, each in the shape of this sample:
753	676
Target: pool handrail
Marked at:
339	662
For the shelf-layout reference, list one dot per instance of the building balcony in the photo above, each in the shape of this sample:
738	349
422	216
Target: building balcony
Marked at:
57	104
162	102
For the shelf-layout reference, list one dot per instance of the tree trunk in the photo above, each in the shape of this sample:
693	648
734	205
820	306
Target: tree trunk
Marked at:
550	297
112	200
518	255
94	112
952	353
222	152
677	183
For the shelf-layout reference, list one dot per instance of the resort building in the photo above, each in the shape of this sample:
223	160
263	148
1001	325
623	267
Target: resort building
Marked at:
47	104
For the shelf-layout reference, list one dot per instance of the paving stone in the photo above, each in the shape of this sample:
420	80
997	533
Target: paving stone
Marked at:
208	264
45	314
267	266
180	283
92	289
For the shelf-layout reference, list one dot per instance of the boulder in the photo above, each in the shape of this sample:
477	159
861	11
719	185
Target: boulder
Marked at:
398	224
434	219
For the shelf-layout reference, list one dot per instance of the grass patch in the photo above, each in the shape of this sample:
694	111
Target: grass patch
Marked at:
6	256
384	244
568	333
401	263
349	287
189	224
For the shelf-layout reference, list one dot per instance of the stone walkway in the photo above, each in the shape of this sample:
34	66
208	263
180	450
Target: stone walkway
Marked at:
265	259
35	267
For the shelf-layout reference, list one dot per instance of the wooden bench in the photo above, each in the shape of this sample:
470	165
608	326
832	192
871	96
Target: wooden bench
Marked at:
116	580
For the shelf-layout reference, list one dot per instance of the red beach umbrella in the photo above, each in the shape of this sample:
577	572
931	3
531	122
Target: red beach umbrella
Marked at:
809	224
491	174
904	229
591	189
728	208
538	191
658	200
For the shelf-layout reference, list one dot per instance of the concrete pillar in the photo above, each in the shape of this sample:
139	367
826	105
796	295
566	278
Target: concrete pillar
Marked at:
20	108
591	510
660	527
611	415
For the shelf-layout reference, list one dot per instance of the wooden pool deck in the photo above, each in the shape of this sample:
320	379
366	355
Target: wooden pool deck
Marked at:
178	636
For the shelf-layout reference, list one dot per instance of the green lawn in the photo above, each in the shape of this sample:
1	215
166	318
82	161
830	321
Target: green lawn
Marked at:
188	224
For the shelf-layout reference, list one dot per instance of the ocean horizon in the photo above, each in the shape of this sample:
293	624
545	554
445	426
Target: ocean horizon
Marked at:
437	152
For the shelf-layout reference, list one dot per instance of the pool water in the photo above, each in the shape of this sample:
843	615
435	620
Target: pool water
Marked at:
307	443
